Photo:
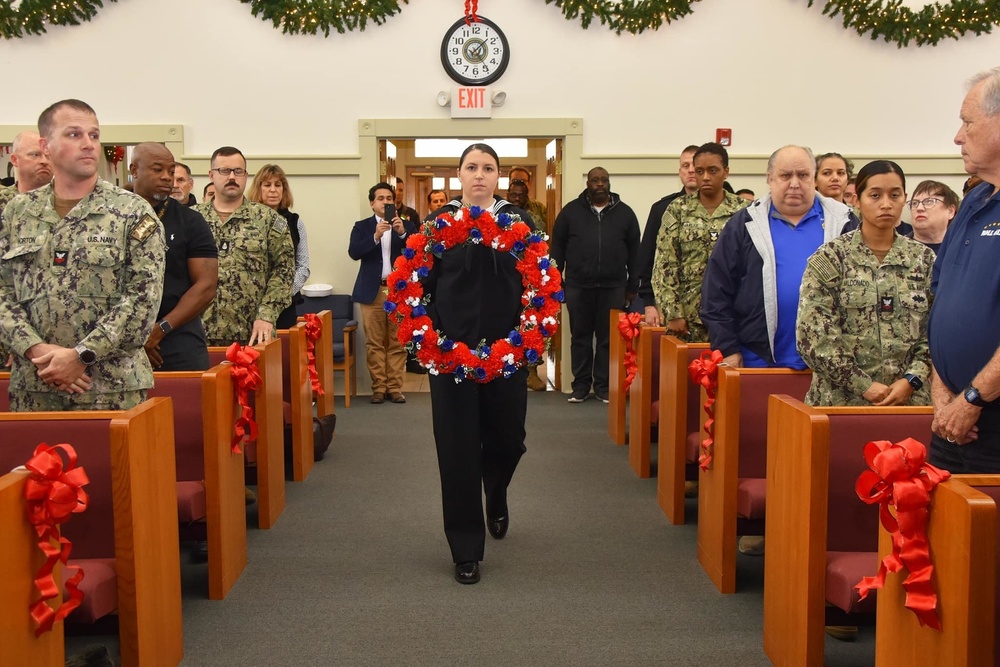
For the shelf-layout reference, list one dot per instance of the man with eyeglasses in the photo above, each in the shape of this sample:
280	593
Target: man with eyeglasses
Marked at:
80	279
534	207
964	326
256	257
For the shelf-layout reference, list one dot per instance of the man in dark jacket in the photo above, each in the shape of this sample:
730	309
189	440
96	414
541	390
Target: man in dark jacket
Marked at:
595	242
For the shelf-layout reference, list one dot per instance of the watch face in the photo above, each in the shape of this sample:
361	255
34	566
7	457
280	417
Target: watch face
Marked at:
476	54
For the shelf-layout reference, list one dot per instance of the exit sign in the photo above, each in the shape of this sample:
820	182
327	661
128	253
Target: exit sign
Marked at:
471	102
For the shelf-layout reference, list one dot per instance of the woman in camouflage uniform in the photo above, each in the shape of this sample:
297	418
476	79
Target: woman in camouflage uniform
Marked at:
865	299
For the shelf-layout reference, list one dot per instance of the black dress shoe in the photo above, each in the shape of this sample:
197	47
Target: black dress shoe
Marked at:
498	527
467	573
199	553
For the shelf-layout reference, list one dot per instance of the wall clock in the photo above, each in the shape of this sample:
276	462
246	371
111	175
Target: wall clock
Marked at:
476	54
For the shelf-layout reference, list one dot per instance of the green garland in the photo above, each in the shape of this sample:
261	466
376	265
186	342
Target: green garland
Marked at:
633	16
934	22
31	16
311	16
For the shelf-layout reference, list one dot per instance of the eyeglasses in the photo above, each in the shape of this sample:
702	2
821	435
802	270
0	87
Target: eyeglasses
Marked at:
225	171
930	202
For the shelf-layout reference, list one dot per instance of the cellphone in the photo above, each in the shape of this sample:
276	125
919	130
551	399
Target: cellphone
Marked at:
390	212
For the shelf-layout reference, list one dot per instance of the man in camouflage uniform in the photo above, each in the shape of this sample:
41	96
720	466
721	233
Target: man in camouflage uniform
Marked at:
862	321
33	170
534	207
81	275
256	257
688	232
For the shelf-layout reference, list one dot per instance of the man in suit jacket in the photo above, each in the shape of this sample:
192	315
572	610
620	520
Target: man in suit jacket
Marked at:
377	242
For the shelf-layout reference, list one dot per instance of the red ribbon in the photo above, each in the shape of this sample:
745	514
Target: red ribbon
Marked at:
628	327
314	329
246	377
471	7
704	371
53	492
899	477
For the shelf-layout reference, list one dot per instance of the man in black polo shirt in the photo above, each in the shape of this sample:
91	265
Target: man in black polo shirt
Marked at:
177	342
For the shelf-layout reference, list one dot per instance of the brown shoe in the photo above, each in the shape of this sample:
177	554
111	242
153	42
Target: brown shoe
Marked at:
378	397
535	383
251	497
396	397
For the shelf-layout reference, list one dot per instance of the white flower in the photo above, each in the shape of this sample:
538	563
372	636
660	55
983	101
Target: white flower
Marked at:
508	358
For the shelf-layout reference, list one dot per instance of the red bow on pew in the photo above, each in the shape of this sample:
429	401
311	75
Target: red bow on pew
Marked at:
246	377
899	477
314	329
704	371
53	492
628	327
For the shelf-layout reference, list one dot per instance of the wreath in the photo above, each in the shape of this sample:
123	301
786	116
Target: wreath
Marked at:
312	16
633	16
541	297
29	17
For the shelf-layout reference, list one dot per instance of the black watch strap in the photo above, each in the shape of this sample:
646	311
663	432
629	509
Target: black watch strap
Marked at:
164	326
972	396
914	381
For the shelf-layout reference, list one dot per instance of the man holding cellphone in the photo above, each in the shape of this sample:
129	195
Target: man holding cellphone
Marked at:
377	241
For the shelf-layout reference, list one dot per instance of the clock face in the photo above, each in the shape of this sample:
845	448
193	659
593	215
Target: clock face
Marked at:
476	54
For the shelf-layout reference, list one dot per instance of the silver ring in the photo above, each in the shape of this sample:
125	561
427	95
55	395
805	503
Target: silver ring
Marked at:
950	439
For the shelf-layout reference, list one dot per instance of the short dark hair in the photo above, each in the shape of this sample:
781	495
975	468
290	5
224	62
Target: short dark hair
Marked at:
938	189
204	191
876	167
712	148
746	191
184	167
46	120
398	180
431	194
227	151
848	165
380	186
485	148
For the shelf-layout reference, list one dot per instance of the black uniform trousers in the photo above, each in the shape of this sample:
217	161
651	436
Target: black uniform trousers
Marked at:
589	312
479	432
185	348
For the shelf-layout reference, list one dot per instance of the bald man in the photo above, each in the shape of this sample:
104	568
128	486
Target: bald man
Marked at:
33	169
177	342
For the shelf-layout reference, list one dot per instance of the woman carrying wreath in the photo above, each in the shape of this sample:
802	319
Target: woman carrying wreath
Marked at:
475	295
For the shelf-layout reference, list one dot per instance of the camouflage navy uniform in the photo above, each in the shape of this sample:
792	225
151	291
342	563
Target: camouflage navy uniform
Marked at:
256	269
6	194
538	214
861	322
93	278
687	235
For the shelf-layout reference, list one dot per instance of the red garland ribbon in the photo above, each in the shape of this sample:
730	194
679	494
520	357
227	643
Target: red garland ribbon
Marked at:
704	371
53	493
628	327
471	9
246	377
314	329
900	477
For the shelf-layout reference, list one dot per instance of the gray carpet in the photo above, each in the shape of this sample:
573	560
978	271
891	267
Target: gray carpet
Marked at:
357	570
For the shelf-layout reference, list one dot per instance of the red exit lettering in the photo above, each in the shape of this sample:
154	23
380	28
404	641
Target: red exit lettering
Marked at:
471	98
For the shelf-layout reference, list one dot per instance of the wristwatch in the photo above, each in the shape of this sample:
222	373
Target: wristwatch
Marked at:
164	327
914	381
87	356
972	396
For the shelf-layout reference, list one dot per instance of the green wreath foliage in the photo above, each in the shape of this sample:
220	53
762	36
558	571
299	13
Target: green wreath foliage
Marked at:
632	16
31	16
893	22
312	16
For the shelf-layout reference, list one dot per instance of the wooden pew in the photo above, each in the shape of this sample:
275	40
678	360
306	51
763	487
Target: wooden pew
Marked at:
5	391
210	477
617	396
813	461
680	411
21	558
730	492
324	365
643	396
268	452
296	390
962	534
127	535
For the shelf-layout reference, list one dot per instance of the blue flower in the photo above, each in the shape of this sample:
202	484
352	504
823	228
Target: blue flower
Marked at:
409	253
534	238
475	212
538	301
447	345
544	263
474	233
509	369
438	248
504	220
423	272
545	332
400	285
531	355
559	296
389	306
459	371
518	247
484	351
419	311
480	373
418	338
515	338
441	222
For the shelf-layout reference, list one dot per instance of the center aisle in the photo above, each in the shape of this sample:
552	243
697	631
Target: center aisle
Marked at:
357	570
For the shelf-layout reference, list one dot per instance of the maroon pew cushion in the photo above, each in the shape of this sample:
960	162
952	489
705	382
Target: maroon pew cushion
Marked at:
654	415
191	501
286	377
5	394
99	587
751	498
994	493
844	569
654	380
186	394
693	450
754	393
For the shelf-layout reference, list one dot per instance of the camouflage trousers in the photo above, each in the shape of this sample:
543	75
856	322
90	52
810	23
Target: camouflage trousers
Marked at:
52	401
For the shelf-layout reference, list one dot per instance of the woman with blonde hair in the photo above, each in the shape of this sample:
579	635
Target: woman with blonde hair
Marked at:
270	187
